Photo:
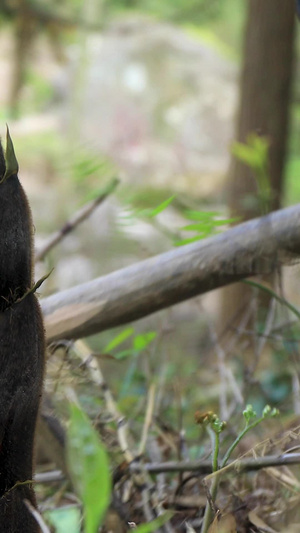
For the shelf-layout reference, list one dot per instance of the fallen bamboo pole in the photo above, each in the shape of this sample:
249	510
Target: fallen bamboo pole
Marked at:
251	248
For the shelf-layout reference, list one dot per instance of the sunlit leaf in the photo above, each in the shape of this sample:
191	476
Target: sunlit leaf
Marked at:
89	468
246	154
255	154
161	207
121	337
140	342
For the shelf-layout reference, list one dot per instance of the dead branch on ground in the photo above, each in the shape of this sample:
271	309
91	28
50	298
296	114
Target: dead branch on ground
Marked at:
253	248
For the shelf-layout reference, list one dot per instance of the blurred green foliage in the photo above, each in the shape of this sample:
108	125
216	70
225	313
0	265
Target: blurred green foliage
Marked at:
255	154
179	10
64	519
139	343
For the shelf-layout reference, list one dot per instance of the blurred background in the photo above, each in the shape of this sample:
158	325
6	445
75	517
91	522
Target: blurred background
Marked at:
146	91
153	93
162	95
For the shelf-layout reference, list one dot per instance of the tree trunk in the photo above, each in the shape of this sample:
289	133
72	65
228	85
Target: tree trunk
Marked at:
24	29
264	110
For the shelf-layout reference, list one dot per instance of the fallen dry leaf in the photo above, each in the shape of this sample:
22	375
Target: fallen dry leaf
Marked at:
258	522
224	524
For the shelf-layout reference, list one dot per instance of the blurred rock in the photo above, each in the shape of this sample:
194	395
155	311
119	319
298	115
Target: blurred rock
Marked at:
73	270
159	103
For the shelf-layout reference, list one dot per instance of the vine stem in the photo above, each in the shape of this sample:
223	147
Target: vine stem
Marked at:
215	437
208	513
237	440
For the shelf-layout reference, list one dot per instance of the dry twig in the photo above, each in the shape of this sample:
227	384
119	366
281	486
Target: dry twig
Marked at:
37	516
240	465
76	219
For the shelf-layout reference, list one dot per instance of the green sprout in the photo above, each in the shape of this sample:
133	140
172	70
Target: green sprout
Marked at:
214	427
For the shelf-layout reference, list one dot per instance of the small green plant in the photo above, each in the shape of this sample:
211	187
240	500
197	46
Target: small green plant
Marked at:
255	154
151	213
215	427
205	224
139	343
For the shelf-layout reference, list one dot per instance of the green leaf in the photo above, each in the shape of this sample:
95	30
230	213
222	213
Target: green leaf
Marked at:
246	154
124	354
201	226
140	342
255	154
155	524
190	240
64	519
161	207
209	225
121	337
89	468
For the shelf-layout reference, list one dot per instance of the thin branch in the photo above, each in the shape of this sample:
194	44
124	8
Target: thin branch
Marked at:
79	217
37	517
49	477
200	467
204	467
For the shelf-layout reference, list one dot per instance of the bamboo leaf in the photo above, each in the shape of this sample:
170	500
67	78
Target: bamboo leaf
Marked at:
121	337
141	342
155	524
89	468
161	207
